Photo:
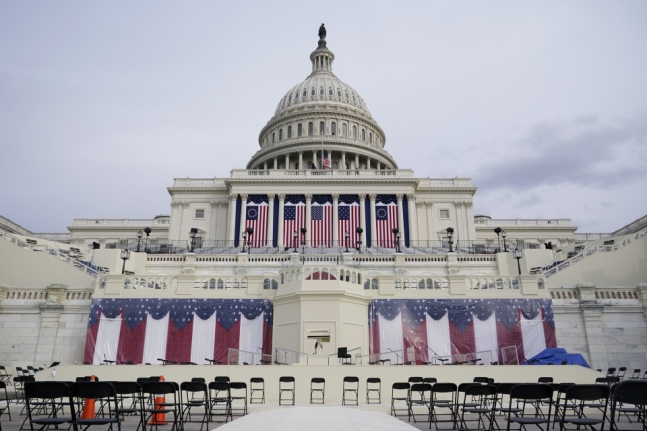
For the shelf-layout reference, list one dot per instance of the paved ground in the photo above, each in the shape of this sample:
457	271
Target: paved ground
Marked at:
328	417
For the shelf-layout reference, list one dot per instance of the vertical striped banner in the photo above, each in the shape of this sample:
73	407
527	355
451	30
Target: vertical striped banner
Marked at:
321	221
256	218
348	213
294	218
386	218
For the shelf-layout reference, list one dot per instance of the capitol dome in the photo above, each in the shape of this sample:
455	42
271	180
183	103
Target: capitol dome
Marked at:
322	114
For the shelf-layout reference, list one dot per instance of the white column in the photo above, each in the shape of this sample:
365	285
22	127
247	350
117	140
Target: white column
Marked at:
314	158
214	217
431	236
276	163
300	160
343	160
243	215
362	216
335	218
270	219
232	217
280	235
356	161
400	217
372	197
368	163
265	165
287	161
413	219
308	213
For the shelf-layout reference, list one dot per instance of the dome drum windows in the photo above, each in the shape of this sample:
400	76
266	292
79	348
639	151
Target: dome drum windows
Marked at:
322	128
311	129
333	128
354	132
321	91
280	135
344	130
312	92
289	132
338	93
305	93
363	135
330	91
300	130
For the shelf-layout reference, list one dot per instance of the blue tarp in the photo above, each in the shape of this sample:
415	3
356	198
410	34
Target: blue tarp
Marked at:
557	356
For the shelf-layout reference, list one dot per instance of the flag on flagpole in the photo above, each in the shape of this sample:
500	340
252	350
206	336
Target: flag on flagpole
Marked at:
321	221
348	218
257	207
386	218
326	160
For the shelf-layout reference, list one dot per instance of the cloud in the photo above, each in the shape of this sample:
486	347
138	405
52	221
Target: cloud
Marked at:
584	151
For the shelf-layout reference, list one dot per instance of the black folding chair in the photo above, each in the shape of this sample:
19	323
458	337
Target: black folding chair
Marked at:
19	387
376	387
104	393
420	396
165	389
621	373
350	385
5	377
400	393
219	400
482	410
437	403
481	380
560	406
317	385
506	410
611	372
128	392
284	386
530	394
545	380
54	394
636	374
585	397
238	392
260	387
632	392
194	395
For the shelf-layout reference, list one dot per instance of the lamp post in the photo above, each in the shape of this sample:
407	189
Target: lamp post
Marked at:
497	231
303	240
294	241
139	239
450	235
346	236
517	255
125	255
359	232
504	234
250	232
194	231
147	231
244	240
396	232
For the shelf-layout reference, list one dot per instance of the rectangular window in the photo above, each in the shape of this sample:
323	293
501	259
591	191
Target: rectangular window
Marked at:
444	213
199	213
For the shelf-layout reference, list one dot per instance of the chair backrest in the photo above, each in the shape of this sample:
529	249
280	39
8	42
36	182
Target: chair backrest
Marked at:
415	380
480	380
430	380
154	378
219	386
444	387
611	372
351	379
505	388
124	388
286	379
631	392
221	379
238	385
421	387
193	387
198	380
141	380
94	390
463	386
480	390
158	388
607	380
587	392
373	380
398	386
531	391
318	380
256	380
46	390
545	380
561	389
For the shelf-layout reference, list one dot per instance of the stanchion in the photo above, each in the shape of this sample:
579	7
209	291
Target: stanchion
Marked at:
158	418
88	406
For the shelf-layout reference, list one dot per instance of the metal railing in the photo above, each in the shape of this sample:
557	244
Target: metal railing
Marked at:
243	357
485	357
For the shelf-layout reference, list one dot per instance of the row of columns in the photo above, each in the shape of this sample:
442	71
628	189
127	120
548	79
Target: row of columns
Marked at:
335	201
317	157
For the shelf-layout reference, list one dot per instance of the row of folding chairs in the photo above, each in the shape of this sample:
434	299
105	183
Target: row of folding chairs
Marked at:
621	373
6	377
472	406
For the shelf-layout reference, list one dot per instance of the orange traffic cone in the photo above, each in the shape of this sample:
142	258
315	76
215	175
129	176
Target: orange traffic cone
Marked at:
158	418
88	406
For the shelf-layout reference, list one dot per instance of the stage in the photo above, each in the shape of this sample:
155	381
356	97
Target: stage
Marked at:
333	374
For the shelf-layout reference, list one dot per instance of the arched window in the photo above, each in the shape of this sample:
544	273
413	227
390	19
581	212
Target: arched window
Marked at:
363	135
370	138
275	284
346	94
220	284
290	99
341	275
312	91
515	283
296	96
367	285
196	284
330	91
311	128
354	132
333	128
266	284
499	283
300	130
228	284
236	285
321	91
374	284
406	283
429	284
273	136
322	128
421	284
212	283
305	93
344	130
280	135
289	132
338	92
397	283
359	278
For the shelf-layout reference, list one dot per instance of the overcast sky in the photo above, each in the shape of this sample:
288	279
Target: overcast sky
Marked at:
542	104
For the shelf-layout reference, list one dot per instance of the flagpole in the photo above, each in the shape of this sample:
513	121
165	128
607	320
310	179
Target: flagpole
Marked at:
322	150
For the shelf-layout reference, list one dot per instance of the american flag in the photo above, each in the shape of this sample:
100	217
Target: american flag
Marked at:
348	219
386	218
294	218
257	207
326	160
321	221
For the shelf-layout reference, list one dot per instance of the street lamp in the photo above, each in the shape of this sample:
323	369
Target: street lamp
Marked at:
497	231
359	232
346	235
294	240
193	233
396	232
303	240
517	255
450	234
250	232
140	234
147	231
505	246
125	255
244	239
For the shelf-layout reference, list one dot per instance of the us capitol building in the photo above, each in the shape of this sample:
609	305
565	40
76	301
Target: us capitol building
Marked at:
323	241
